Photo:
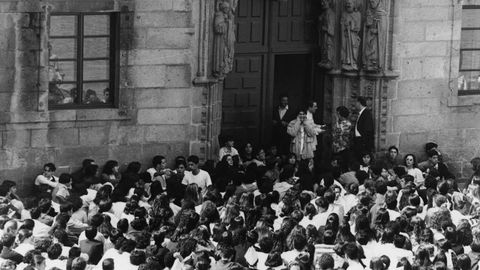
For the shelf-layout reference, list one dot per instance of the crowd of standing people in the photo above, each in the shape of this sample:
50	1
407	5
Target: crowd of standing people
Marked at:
256	207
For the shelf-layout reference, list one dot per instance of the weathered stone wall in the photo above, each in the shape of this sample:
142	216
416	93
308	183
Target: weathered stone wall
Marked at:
423	102
160	110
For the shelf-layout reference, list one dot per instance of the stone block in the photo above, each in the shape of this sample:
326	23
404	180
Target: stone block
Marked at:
164	57
62	115
7	79
169	38
128	135
161	98
417	123
438	30
182	5
163	19
412	68
423	49
5	102
93	135
422	14
165	116
126	153
179	76
425	3
392	139
167	133
16	139
169	150
431	88
411	31
451	138
154	5
147	76
472	137
63	137
75	155
435	67
198	115
415	106
412	142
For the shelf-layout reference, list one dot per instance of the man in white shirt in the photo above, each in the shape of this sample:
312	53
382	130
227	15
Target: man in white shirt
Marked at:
311	109
228	149
196	175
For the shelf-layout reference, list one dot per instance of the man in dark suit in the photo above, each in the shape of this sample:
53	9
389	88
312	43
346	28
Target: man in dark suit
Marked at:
93	248
282	115
364	131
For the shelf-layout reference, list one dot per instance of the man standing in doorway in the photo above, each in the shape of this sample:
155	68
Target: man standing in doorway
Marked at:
311	109
282	115
364	129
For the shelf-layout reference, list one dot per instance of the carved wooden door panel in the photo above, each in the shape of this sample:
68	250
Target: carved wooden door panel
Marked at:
293	25
242	99
243	87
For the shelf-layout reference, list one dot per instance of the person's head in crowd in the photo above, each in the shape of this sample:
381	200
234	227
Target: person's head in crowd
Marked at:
352	252
159	163
111	167
377	264
137	257
311	107
134	167
54	251
463	262
433	156
192	162
393	152
284	100
260	154
361	176
361	103
342	113
229	141
79	263
367	159
410	161
431	146
7	240
108	264
49	169
39	263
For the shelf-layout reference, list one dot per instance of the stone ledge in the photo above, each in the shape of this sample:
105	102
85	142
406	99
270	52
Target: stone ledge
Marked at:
463	101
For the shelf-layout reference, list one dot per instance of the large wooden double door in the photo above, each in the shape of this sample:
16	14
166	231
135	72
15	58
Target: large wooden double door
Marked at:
274	55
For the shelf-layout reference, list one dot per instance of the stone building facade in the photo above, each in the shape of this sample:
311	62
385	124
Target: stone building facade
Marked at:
169	95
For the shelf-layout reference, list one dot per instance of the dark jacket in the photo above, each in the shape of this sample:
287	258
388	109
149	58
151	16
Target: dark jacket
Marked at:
9	254
93	248
366	128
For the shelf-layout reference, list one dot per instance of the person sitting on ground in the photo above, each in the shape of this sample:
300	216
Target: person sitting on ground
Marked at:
228	148
46	181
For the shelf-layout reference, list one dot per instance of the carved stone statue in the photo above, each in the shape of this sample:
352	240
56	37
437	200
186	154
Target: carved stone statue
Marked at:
351	23
224	39
326	31
375	33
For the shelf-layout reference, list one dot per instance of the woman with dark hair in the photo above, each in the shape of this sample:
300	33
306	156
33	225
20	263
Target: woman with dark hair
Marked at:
110	173
225	173
410	162
247	155
128	180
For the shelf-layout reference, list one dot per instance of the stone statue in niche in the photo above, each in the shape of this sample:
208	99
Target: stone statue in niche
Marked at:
351	24
326	28
375	33
224	38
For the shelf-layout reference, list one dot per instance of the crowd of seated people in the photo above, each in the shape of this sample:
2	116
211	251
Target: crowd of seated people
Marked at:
253	209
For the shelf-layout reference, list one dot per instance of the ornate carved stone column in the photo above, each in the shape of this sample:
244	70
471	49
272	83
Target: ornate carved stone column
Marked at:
216	42
362	65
